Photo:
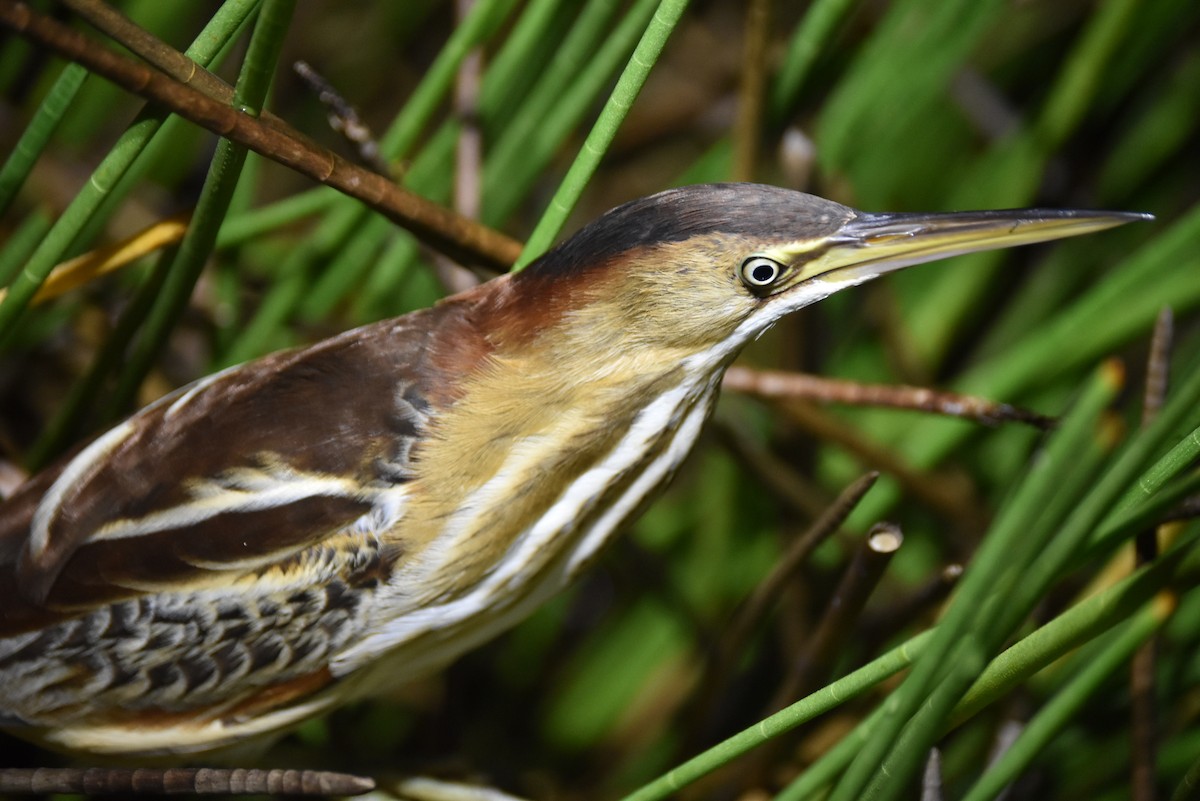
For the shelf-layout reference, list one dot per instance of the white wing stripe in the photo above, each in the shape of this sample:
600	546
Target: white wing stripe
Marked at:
209	506
51	504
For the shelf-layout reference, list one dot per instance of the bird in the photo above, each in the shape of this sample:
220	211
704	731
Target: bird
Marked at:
327	523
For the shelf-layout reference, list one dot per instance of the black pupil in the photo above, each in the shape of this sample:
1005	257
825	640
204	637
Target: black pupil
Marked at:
762	272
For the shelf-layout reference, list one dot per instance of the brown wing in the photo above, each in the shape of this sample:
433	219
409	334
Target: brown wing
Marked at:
232	473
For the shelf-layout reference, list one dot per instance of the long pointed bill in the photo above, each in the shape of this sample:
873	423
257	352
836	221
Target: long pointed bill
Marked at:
870	245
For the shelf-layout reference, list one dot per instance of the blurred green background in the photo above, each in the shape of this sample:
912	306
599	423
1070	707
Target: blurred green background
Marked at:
897	106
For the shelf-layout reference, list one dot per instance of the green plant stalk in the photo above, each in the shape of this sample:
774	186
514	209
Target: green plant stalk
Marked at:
1012	175
37	134
243	227
1125	522
222	28
1128	484
249	94
1049	497
812	35
262	56
822	773
346	215
897	73
564	92
262	332
430	176
978	584
504	74
346	270
602	133
1126	470
1079	624
1052	284
247	187
23	242
1080	80
1075	627
910	751
290	280
1164	129
392	271
1040	573
228	276
172	134
1155	30
1114	653
829	697
1175	461
483	20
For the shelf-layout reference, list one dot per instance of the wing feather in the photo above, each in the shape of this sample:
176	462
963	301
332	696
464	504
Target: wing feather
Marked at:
232	473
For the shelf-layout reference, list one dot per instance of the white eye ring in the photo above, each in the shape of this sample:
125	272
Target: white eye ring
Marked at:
759	272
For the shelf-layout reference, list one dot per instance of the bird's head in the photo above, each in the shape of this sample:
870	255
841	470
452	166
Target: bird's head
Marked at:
709	267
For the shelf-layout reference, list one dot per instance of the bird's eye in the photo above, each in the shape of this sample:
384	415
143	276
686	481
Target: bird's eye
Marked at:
759	272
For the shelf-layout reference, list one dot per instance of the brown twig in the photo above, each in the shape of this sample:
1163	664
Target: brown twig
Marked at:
1158	366
154	51
781	384
751	613
438	227
841	615
839	618
468	153
901	611
181	781
765	594
343	118
748	126
1143	723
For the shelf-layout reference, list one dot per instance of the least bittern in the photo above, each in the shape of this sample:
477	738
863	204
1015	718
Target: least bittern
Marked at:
276	539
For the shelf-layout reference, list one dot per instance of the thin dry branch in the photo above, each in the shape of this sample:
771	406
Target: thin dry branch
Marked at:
782	384
181	781
343	118
753	611
440	228
1143	752
841	614
748	128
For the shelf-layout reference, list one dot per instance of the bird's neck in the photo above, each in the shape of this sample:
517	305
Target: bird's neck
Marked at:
532	429
545	463
570	480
